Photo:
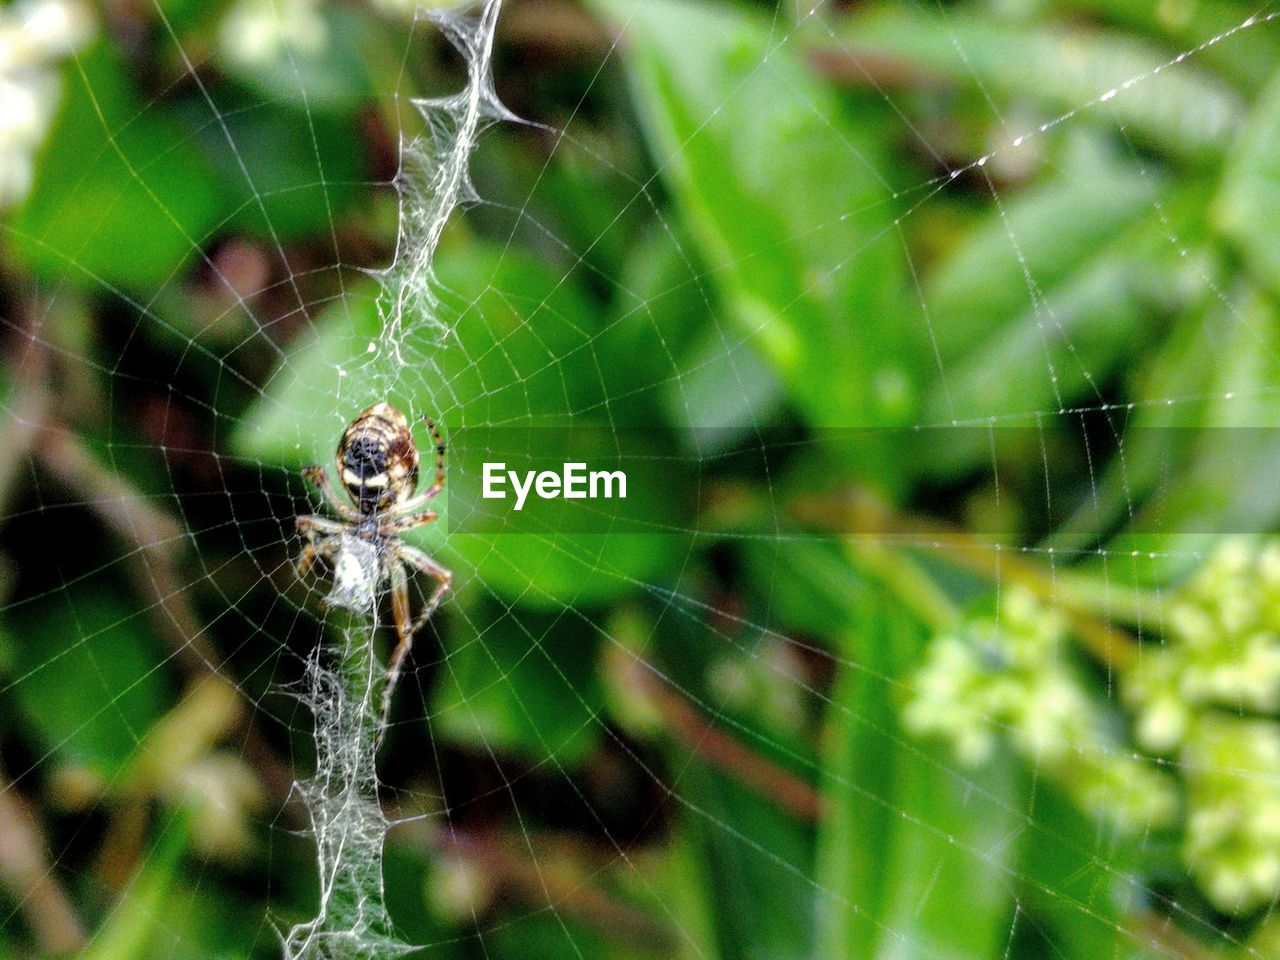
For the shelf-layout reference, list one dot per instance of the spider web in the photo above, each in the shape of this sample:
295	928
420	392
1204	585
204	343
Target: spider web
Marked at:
782	700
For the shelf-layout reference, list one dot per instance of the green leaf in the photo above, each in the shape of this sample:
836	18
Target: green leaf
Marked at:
1078	886
781	192
288	176
1248	57
663	318
578	206
406	877
1057	227
918	852
120	196
141	916
523	683
1104	273
725	391
543	934
760	860
1065	68
87	676
659	311
1248	210
687	888
190	917
1058	349
1227	482
807	583
1158	436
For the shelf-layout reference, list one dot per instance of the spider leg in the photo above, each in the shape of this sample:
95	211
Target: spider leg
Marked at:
404	635
401	524
420	561
405	629
420	500
416	502
324	547
319	478
311	524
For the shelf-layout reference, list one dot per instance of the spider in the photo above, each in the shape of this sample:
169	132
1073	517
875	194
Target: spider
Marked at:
378	465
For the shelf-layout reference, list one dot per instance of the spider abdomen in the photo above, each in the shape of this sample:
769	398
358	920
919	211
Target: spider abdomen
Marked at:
377	459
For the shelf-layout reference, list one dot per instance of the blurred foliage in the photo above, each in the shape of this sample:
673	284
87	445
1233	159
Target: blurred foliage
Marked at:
774	733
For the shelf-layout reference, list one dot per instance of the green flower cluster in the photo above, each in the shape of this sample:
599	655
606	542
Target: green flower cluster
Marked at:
1232	770
1222	647
1203	698
1005	677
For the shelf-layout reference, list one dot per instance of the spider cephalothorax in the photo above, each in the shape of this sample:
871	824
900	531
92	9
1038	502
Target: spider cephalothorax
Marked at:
378	460
378	465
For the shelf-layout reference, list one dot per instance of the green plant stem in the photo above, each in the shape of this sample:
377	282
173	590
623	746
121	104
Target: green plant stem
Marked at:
1116	602
905	578
856	512
685	723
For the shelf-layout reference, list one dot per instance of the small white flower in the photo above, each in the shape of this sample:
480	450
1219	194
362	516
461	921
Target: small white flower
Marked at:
257	32
396	8
1191	623
53	28
33	36
1163	724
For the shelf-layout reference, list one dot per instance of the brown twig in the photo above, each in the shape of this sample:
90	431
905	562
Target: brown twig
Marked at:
686	723
875	71
561	874
26	871
153	571
857	513
34	429
1160	931
557	27
29	368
